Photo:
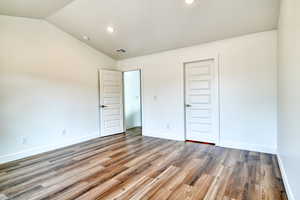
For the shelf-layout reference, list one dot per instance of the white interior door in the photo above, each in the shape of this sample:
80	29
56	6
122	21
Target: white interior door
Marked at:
111	102
201	98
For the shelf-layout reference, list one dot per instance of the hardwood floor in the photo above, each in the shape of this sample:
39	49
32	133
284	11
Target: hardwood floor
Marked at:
135	167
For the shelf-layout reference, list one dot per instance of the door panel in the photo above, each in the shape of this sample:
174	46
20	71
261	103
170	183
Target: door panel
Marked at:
201	98
111	102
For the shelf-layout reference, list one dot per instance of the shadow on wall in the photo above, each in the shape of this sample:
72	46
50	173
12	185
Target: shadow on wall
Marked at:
133	120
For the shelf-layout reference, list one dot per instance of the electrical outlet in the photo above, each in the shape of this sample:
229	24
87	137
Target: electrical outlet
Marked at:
64	132
168	126
24	140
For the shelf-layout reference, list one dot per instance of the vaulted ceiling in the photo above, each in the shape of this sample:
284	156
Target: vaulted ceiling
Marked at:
148	26
31	8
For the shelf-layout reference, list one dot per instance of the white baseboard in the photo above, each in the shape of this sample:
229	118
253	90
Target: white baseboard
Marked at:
163	135
247	146
42	149
226	144
285	179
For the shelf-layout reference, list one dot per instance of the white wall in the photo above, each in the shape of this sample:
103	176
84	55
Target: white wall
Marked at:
289	95
48	83
248	92
132	102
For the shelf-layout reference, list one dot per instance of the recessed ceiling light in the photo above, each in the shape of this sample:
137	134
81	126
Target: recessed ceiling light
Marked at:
85	37
110	29
189	1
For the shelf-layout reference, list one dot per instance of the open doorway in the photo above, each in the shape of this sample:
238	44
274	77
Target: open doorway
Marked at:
132	102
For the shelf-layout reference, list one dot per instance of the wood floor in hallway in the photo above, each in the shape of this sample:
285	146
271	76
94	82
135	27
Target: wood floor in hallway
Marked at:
130	166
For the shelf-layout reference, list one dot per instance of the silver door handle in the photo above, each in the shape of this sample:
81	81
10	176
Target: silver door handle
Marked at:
188	105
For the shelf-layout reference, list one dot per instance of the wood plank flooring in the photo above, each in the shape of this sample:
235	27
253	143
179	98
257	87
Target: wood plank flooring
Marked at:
129	166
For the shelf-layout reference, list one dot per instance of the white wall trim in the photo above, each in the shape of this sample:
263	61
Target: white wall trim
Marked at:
285	179
42	149
247	146
162	135
225	144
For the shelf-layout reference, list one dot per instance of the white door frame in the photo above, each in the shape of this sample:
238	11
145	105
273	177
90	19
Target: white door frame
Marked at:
185	61
141	97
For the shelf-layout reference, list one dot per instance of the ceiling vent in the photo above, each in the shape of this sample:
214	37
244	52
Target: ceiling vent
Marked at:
121	50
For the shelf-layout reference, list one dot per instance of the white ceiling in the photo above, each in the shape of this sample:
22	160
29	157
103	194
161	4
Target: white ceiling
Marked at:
149	26
31	8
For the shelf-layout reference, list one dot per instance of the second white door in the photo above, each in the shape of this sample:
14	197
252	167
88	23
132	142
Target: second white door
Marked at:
111	102
201	98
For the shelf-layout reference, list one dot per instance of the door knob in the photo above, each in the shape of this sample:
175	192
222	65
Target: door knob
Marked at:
188	105
103	106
